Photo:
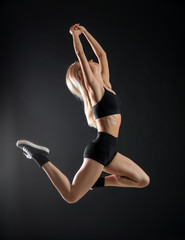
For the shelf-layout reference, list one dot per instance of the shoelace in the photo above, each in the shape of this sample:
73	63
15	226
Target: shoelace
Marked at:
27	153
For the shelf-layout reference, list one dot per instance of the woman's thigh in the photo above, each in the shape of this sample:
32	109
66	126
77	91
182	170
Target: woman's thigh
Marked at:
124	166
85	178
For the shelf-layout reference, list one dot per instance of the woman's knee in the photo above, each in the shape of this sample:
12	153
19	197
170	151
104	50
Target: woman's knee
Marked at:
71	198
144	181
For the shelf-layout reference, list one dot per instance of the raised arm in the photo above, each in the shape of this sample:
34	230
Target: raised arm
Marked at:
99	52
86	70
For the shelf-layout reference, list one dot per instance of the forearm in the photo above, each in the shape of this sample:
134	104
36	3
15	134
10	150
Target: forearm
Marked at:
98	50
77	44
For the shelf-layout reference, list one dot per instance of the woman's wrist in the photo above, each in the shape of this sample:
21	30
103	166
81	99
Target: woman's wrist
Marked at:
75	34
85	31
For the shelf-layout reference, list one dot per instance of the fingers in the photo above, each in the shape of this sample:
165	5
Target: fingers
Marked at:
73	28
75	25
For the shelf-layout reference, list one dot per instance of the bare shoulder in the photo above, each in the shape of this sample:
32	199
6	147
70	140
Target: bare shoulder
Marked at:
96	91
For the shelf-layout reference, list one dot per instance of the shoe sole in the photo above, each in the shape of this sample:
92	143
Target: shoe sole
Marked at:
25	142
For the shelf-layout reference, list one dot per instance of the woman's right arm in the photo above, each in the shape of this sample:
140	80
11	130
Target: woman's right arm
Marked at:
86	70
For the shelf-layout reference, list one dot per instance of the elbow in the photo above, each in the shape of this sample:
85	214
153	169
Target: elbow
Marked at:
79	53
102	54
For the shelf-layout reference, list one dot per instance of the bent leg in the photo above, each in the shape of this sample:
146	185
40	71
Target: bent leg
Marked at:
82	182
125	173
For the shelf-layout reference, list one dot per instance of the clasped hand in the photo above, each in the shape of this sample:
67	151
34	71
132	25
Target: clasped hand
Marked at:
77	29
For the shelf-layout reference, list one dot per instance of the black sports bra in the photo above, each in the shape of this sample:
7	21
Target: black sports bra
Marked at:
109	104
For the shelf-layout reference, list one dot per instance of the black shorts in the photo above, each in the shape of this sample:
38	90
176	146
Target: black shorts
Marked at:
102	149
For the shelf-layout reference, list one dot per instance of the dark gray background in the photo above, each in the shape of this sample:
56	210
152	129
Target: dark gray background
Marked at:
143	41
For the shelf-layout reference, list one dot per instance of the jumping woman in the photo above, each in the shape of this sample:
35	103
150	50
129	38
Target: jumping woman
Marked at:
89	81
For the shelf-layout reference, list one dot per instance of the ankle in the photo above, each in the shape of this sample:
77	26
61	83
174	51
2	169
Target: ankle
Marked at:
40	159
99	183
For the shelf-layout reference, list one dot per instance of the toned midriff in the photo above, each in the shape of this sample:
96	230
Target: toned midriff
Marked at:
109	124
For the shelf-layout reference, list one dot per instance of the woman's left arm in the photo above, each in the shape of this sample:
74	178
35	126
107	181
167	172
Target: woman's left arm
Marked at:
99	52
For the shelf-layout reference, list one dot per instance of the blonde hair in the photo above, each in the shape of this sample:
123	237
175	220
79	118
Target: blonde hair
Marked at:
76	87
